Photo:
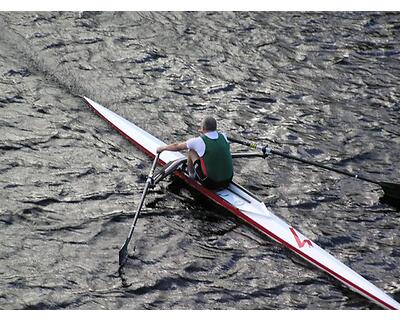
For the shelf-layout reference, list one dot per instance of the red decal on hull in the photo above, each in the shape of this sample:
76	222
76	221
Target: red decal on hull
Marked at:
300	243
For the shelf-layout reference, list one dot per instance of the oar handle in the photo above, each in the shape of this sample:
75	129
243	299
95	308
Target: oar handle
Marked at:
267	150
252	145
153	168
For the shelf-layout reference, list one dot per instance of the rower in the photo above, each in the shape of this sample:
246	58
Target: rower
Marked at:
209	158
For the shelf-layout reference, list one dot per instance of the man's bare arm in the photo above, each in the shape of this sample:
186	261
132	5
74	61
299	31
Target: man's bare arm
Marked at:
178	146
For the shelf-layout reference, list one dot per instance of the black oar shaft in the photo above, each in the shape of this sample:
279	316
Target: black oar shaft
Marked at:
323	166
391	190
236	155
288	156
123	253
146	188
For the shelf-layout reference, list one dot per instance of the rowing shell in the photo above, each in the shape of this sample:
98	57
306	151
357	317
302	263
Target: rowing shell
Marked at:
247	207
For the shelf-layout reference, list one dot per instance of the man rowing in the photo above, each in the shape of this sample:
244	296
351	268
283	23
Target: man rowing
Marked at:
209	157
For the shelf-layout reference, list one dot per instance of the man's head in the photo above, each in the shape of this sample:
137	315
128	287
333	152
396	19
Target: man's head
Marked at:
209	124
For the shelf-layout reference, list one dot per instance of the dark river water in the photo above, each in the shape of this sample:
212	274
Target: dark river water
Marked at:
322	86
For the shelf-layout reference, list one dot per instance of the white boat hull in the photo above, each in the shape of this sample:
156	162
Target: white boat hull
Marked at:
247	207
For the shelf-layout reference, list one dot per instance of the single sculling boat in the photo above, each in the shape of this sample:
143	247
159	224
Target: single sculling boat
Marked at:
247	207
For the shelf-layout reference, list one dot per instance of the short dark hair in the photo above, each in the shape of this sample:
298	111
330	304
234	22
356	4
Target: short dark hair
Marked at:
209	124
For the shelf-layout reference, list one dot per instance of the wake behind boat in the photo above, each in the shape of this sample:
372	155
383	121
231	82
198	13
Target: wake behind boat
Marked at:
247	207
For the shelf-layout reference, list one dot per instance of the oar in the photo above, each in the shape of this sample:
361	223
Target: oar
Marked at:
123	253
391	190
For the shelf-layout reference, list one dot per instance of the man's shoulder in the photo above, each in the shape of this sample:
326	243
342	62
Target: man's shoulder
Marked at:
224	135
194	141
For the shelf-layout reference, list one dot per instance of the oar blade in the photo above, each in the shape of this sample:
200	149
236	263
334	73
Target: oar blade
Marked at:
392	190
123	254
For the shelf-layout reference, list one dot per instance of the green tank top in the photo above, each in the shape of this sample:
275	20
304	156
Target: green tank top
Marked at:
217	159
